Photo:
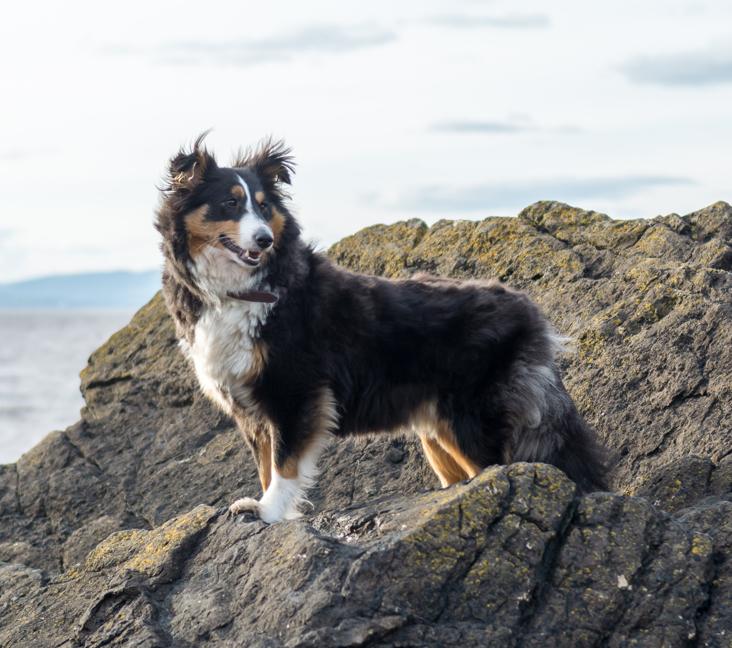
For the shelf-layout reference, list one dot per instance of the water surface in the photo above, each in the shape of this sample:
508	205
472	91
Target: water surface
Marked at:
41	355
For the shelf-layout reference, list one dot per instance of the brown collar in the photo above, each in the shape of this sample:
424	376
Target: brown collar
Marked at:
261	296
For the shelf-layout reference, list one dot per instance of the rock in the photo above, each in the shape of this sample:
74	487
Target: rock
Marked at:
395	454
714	620
512	557
111	530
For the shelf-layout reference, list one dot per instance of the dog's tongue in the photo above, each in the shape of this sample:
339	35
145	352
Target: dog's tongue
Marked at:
253	254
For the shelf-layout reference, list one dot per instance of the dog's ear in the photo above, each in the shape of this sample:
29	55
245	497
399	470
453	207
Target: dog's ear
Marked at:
272	161
187	169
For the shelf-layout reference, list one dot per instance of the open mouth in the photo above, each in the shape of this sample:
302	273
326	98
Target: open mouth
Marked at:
250	257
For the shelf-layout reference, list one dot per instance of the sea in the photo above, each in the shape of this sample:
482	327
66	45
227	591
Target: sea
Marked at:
41	355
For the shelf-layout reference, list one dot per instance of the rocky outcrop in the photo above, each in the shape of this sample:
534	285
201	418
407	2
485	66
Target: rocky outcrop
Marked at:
647	303
512	558
111	531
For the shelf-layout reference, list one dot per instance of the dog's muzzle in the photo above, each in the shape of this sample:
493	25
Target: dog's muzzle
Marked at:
250	257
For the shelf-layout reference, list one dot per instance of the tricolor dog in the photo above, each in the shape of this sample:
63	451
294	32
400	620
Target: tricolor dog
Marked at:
298	350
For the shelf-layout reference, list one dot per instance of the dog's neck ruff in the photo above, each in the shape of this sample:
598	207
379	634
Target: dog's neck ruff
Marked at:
259	296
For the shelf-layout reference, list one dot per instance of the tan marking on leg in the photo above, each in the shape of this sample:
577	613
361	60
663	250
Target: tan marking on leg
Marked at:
258	435
277	224
202	232
322	419
438	443
265	462
424	418
285	495
444	466
259	354
237	191
289	468
446	438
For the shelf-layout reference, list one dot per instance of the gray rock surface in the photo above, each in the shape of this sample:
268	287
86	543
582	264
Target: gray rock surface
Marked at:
111	531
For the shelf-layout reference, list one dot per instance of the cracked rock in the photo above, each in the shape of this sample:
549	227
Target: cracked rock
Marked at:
111	532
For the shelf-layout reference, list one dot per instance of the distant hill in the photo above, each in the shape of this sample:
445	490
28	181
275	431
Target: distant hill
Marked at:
89	290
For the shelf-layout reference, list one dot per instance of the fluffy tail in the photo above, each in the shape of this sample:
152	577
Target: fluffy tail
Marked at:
582	457
564	440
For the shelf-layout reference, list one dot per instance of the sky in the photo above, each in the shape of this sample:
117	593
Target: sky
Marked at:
429	109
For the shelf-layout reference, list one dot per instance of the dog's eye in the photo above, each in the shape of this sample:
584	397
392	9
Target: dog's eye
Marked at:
231	202
264	205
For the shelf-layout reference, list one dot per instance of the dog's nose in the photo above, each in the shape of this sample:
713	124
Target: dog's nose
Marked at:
263	239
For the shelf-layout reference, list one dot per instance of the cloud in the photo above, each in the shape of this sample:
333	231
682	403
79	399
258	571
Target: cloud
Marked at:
13	155
18	154
326	39
516	194
480	127
468	127
683	69
506	21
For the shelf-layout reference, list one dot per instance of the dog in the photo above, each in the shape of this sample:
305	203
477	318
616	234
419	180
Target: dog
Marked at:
298	350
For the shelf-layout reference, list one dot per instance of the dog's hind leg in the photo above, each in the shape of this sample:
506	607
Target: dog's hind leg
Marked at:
447	440
445	467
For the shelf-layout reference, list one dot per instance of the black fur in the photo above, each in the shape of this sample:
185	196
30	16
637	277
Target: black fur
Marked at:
384	347
482	352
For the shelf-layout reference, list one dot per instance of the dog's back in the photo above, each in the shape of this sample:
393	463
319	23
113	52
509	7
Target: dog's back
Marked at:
468	365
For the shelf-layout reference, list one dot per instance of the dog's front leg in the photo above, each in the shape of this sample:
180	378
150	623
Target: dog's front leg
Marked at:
258	435
295	450
292	473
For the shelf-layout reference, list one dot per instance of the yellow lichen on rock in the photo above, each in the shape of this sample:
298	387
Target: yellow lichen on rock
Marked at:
380	249
701	545
148	551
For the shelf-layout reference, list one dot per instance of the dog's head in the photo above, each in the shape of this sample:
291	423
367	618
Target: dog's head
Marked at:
221	225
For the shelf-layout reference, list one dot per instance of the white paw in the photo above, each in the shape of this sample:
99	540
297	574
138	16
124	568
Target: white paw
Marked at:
245	505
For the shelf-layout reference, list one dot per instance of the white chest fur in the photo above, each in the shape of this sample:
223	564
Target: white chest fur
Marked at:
223	350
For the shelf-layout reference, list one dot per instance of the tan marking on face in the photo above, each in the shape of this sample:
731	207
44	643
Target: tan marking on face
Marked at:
238	191
202	232
277	225
259	197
